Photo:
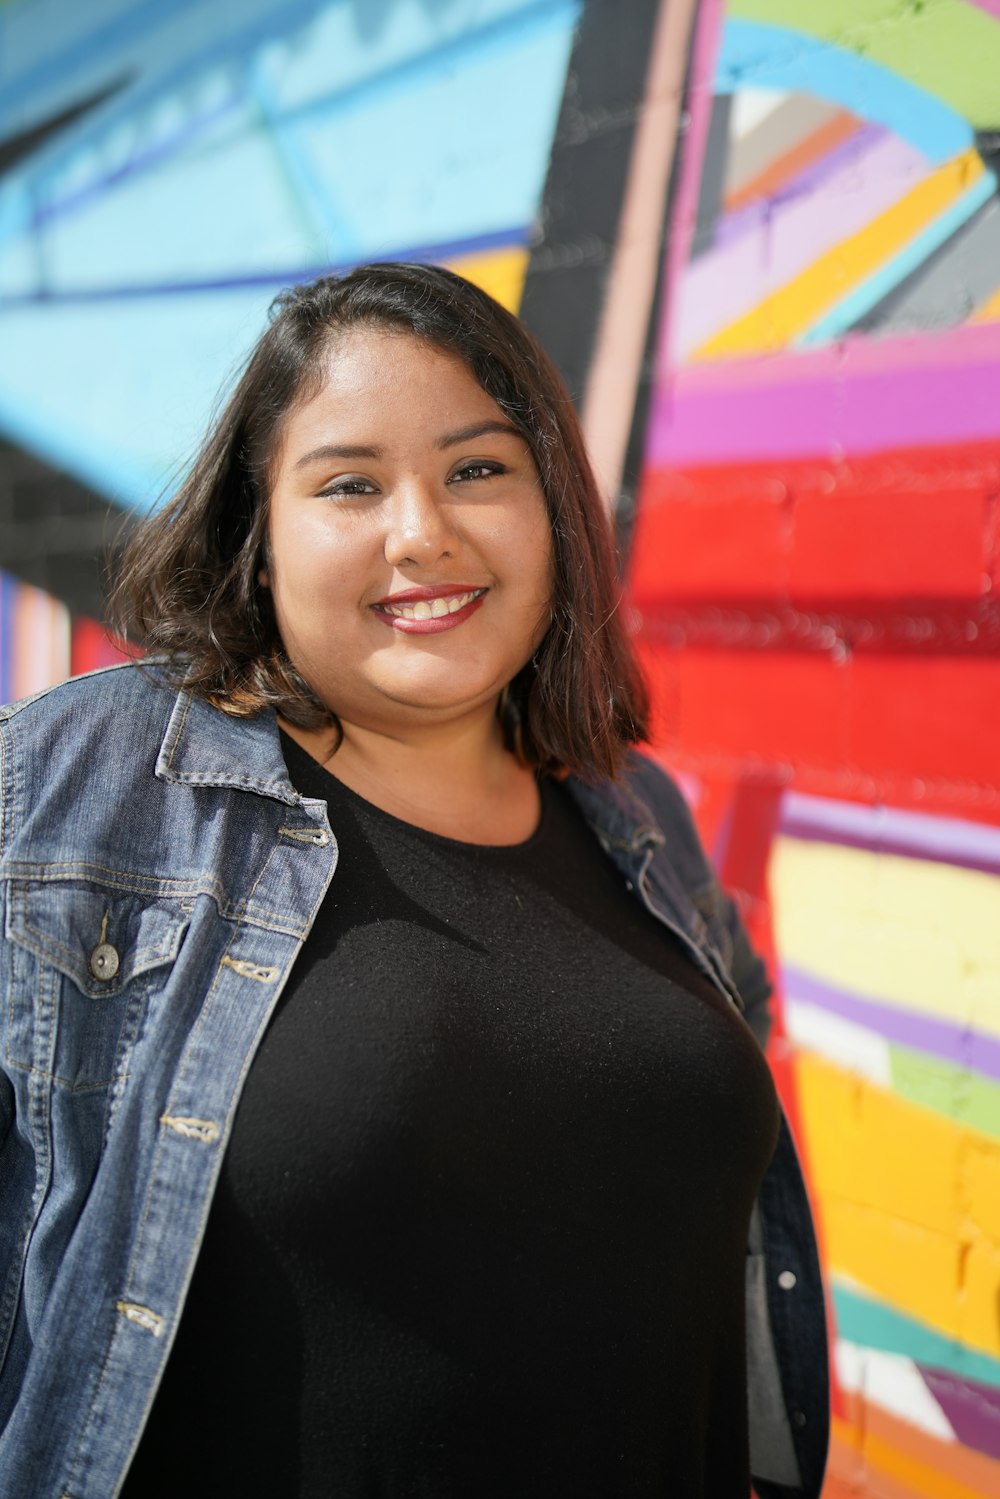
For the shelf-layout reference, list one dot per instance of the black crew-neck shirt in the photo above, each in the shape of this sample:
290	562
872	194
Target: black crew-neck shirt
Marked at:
481	1226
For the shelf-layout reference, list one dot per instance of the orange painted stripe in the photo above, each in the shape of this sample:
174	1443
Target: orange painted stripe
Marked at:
839	128
902	1459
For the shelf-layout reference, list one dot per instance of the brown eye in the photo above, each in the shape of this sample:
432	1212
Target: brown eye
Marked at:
473	471
348	487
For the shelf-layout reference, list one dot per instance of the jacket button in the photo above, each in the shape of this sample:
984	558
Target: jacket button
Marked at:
787	1280
799	1417
104	961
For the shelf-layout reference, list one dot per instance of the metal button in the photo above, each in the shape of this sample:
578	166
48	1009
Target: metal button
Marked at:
104	961
799	1417
787	1280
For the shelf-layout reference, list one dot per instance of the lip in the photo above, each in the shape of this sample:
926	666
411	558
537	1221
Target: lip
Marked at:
437	626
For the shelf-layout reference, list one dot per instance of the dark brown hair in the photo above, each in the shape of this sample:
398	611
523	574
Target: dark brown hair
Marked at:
188	585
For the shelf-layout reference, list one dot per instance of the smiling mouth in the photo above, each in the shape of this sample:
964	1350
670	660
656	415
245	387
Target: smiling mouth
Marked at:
437	608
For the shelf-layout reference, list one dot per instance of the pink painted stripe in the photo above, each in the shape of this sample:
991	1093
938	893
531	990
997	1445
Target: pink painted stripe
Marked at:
726	283
860	395
992	6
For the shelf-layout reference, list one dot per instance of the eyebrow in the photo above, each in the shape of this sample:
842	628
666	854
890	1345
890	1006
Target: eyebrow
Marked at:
478	429
337	450
352	451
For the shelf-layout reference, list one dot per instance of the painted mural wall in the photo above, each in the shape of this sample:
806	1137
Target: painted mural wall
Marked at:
166	168
815	567
762	238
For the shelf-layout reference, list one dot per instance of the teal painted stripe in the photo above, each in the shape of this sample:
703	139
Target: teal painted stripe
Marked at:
866	296
875	1325
757	55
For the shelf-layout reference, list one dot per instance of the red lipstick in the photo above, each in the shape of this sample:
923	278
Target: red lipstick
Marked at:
429	610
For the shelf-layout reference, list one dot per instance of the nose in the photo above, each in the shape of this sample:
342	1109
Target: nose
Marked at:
419	528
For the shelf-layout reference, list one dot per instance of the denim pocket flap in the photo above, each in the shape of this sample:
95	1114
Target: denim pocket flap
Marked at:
100	939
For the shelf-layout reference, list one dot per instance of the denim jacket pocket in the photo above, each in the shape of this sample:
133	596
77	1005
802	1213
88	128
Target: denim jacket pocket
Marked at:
90	955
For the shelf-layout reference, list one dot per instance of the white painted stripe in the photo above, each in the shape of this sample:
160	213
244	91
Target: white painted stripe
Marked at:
843	1041
751	106
893	1382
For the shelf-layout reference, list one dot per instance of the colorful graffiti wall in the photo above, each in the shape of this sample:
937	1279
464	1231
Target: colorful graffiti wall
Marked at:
815	567
762	239
166	169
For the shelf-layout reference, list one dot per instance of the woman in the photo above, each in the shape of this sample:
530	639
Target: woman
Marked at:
370	999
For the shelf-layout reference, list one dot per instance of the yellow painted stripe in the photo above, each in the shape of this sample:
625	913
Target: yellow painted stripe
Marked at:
781	317
907	1201
499	272
913	933
989	311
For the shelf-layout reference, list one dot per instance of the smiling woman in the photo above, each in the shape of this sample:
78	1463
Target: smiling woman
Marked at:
381	1103
401	501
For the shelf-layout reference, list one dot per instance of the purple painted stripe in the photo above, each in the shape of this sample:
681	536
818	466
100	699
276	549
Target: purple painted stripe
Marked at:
161	151
973	1409
824	170
452	250
858	395
969	1049
943	840
728	283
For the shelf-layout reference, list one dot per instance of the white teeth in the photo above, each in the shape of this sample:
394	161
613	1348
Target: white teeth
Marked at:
434	608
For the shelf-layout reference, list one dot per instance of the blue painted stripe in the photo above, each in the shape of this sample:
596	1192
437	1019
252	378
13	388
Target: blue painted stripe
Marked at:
232	50
866	296
757	55
76	453
862	1319
315	206
538	18
450	250
150	157
129	27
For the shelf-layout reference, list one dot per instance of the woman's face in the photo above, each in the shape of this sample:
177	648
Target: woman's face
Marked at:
410	548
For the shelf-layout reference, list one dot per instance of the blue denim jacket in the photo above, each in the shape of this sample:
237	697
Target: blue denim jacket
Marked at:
158	874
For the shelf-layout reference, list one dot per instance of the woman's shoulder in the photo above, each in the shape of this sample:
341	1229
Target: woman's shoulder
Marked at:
80	742
111	689
645	795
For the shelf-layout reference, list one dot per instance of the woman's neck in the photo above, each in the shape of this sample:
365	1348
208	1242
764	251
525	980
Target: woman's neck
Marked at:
455	780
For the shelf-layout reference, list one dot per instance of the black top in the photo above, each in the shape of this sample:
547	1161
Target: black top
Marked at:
482	1222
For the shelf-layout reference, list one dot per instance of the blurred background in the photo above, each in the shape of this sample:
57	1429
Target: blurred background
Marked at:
762	240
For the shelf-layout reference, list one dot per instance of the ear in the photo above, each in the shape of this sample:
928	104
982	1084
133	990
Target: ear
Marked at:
263	578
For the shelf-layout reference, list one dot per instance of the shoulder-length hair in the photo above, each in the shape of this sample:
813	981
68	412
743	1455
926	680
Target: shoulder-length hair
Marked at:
188	584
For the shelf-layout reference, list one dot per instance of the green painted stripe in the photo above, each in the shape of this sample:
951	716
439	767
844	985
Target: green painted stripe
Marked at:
874	1325
964	1096
947	47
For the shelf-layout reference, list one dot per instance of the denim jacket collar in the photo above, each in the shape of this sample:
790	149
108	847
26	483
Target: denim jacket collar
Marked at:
206	747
